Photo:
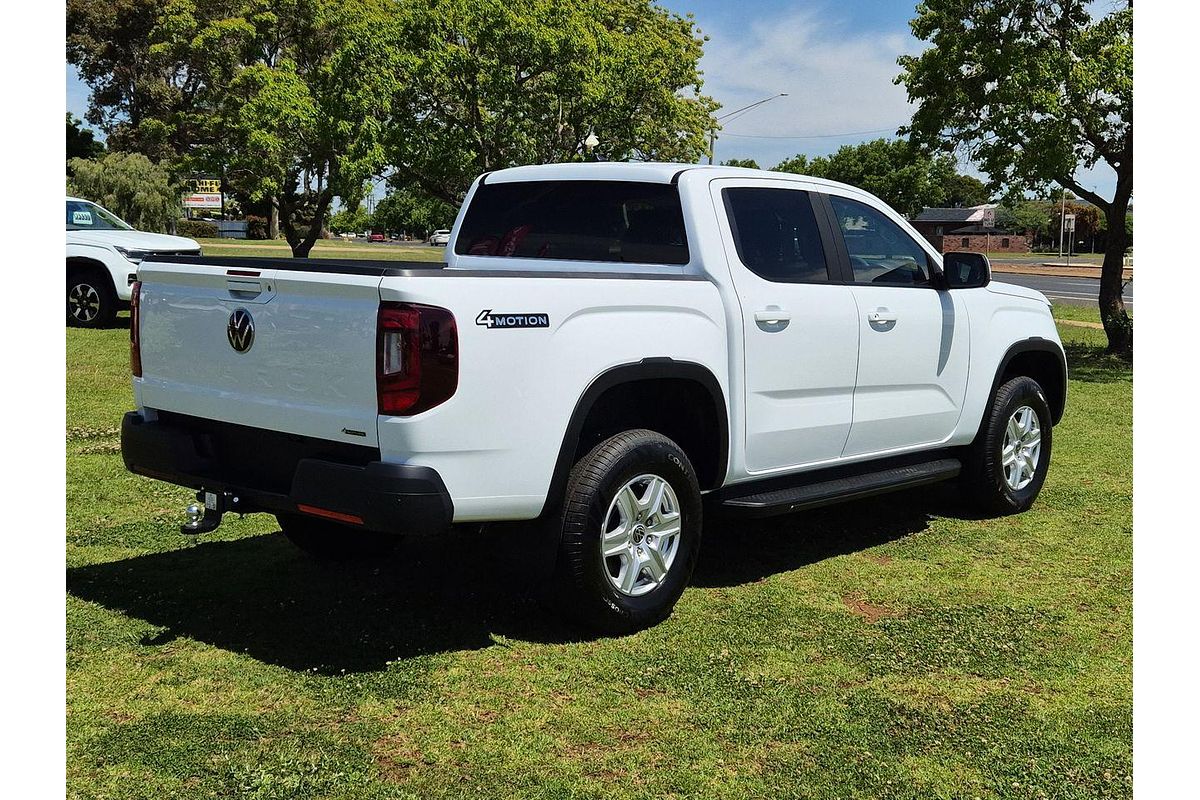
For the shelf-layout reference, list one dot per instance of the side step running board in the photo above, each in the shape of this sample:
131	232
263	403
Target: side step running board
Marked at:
795	498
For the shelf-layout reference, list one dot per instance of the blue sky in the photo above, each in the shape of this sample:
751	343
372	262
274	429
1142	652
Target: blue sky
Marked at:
836	61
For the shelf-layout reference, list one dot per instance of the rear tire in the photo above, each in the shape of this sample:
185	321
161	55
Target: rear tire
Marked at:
91	301
1007	464
329	541
630	533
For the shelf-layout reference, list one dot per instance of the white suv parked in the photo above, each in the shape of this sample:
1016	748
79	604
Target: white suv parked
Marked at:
103	253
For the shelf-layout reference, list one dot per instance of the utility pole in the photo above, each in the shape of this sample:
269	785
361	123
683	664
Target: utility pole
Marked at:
712	132
1062	228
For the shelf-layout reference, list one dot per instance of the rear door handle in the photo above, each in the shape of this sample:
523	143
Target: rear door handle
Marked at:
772	315
881	316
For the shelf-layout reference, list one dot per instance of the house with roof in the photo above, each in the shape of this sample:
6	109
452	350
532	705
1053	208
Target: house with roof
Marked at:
971	229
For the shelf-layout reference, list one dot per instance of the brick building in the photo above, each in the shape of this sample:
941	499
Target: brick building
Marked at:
971	229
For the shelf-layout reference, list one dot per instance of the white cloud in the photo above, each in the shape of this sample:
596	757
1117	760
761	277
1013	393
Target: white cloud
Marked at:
837	80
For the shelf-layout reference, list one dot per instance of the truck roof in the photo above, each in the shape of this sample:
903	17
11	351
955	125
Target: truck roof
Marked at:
646	171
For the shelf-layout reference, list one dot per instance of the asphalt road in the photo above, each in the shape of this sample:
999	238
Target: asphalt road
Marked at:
1072	291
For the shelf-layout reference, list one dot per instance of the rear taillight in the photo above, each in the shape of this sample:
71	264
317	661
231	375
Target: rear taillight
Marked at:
417	358
135	329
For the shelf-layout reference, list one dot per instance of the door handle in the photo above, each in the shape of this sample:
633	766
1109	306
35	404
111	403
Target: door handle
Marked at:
881	316
772	315
244	290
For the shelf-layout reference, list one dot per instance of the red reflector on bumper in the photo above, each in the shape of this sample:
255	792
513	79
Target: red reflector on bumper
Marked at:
337	516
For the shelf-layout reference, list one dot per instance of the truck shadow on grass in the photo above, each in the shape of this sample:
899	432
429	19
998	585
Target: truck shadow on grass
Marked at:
261	596
1091	364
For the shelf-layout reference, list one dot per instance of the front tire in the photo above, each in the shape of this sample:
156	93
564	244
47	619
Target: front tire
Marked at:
91	301
630	532
1007	464
329	541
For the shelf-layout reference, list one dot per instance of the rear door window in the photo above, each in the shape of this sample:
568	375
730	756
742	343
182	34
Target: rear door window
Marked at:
621	221
776	234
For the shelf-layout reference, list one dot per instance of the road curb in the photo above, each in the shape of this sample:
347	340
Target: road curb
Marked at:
1054	272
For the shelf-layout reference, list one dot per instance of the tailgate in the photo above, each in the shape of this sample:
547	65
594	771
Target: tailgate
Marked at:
286	348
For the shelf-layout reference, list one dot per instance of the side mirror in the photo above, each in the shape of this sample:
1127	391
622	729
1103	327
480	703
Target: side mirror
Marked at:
966	270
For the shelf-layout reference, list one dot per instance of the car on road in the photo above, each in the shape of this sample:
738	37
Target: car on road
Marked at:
439	238
376	236
103	254
609	352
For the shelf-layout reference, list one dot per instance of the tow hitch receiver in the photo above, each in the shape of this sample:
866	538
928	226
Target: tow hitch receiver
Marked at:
205	518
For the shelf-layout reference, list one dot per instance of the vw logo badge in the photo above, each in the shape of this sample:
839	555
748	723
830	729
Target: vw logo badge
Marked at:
240	330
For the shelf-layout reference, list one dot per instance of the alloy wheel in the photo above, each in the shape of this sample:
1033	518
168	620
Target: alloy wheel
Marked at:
1022	448
83	302
641	535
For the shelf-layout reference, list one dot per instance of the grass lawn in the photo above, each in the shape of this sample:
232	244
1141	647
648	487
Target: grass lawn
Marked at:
897	647
324	248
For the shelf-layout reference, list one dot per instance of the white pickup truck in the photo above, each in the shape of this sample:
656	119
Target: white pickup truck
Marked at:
608	349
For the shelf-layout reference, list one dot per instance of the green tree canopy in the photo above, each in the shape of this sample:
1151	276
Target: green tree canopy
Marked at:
963	191
350	220
131	186
1031	91
890	169
306	125
748	163
492	84
407	209
81	142
287	99
297	102
1038	216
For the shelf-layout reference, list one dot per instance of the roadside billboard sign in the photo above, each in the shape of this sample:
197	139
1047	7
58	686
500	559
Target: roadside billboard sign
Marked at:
202	200
206	185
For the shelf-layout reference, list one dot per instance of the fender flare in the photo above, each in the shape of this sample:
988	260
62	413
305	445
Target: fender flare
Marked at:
90	263
1036	344
646	369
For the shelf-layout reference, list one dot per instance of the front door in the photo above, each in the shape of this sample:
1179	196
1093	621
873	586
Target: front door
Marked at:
800	328
913	338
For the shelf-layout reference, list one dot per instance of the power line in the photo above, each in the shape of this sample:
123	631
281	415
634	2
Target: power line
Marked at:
814	136
737	111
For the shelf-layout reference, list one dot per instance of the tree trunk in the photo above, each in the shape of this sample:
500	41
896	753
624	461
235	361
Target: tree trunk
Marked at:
1118	325
273	220
302	247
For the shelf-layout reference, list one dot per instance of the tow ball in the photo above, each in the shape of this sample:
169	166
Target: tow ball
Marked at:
205	518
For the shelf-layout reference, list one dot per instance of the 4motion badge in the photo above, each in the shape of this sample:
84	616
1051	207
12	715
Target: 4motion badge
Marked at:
497	319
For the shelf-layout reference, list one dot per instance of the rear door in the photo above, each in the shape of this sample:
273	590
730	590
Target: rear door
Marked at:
800	325
914	343
289	350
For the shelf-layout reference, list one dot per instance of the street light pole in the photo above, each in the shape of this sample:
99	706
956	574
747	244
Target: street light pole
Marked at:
712	132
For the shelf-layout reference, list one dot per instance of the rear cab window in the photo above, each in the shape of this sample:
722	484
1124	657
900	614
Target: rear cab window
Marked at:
628	222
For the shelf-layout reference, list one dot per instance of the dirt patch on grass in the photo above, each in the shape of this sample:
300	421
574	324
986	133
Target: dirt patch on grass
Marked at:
882	560
396	754
868	611
1078	323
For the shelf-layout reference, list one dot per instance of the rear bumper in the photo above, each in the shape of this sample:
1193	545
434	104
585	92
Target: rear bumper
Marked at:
392	498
